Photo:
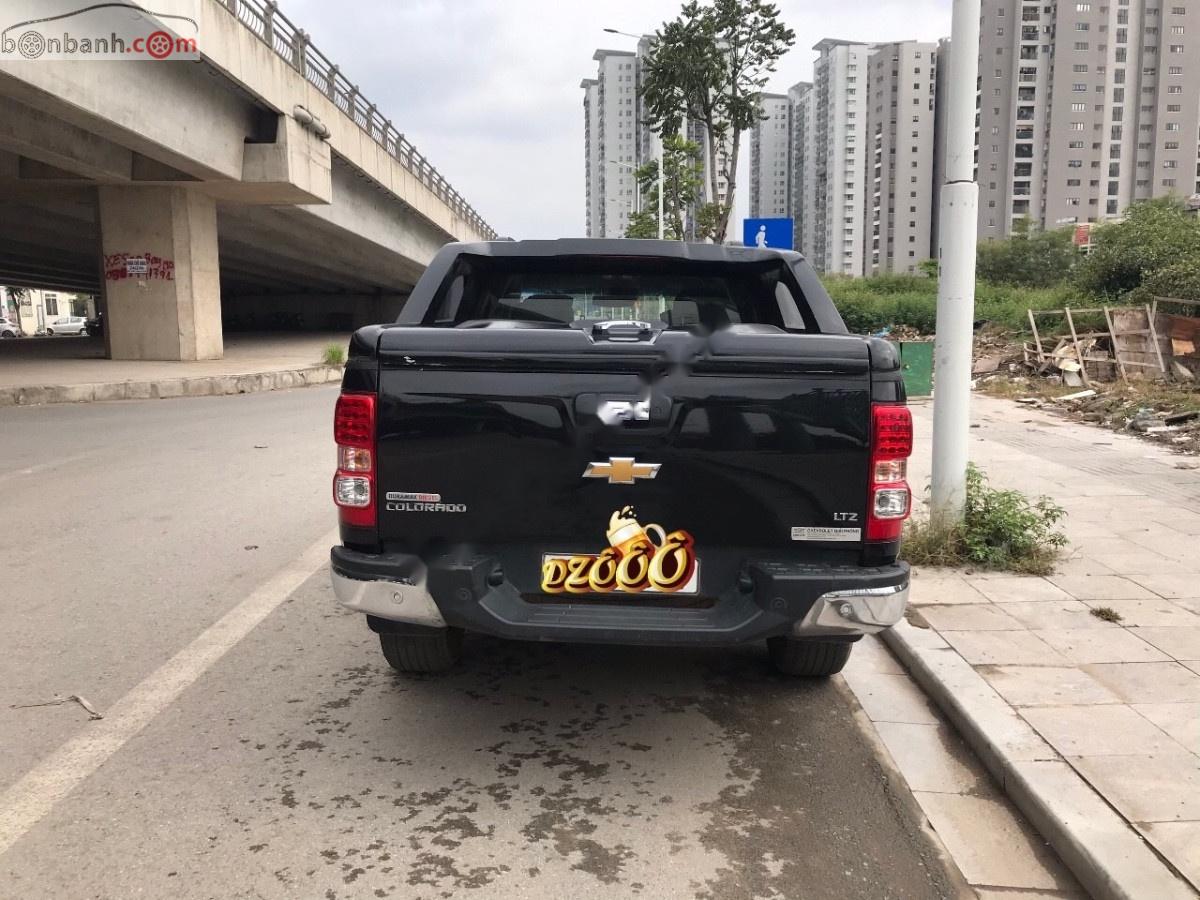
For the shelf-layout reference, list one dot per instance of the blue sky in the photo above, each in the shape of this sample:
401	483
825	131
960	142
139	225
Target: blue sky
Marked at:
489	91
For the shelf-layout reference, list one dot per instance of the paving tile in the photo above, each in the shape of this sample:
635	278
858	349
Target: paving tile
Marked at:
1055	614
1082	565
1188	523
1155	787
988	844
1173	586
1101	587
1179	842
1098	730
1102	548
1149	612
930	586
1192	605
872	655
1166	541
1132	565
1046	686
1181	642
1160	682
1017	648
1180	720
1019	589
970	617
931	757
890	698
1100	645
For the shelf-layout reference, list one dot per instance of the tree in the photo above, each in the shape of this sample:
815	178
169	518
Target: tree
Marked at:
710	66
1154	235
684	178
1030	257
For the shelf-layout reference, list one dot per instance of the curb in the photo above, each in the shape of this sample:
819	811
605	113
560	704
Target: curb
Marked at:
195	386
1099	847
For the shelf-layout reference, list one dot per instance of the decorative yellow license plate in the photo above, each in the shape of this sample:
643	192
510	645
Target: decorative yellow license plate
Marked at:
633	563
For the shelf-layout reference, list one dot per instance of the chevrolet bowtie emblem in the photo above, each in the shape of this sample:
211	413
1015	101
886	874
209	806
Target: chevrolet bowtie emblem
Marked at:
621	470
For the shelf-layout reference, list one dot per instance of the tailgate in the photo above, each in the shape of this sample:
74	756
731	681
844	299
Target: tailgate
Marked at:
750	440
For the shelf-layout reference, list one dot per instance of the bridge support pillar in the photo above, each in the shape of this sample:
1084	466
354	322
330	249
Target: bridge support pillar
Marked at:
162	281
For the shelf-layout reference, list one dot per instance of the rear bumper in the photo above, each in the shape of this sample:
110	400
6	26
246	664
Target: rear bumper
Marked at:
773	597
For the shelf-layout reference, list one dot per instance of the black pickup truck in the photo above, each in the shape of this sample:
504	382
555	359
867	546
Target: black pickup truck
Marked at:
621	441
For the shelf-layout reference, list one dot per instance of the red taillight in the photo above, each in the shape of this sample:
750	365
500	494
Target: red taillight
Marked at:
889	499
354	482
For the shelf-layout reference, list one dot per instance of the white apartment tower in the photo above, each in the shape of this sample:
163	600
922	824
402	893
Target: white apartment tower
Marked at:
1085	107
901	85
611	143
770	159
801	100
840	151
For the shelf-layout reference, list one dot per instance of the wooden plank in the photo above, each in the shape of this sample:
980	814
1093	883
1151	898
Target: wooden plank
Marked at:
1162	366
1116	346
1037	339
1078	350
1178	300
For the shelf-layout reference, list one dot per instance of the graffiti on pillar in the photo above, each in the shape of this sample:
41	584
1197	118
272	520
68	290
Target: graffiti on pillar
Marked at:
119	266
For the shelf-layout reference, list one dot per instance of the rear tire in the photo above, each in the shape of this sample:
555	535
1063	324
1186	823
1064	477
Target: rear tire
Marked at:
808	658
434	652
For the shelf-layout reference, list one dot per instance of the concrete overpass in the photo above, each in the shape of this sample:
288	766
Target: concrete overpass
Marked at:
256	178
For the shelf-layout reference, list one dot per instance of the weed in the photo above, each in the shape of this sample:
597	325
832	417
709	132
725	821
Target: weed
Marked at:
1000	530
1107	613
334	355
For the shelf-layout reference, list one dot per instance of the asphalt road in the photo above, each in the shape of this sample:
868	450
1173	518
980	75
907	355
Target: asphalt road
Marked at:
162	560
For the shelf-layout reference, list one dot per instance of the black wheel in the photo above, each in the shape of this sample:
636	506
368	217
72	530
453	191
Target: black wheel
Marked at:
808	659
433	652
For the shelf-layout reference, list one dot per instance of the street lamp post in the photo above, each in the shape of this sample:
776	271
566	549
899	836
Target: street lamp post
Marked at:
658	148
956	276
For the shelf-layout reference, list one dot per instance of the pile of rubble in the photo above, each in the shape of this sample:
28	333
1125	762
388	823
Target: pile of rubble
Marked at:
1165	417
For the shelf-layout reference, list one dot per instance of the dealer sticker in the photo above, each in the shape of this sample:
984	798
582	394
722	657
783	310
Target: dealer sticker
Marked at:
819	533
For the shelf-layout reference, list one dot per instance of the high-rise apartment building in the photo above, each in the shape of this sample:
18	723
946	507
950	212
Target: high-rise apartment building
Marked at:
901	89
611	142
770	159
801	100
617	141
1085	107
839	159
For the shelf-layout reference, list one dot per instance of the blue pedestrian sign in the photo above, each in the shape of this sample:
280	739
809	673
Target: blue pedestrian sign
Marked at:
773	233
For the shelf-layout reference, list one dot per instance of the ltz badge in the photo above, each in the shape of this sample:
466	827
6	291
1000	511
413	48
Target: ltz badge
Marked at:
639	558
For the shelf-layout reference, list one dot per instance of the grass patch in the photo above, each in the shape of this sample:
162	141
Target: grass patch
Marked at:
869	304
1107	613
1001	530
334	355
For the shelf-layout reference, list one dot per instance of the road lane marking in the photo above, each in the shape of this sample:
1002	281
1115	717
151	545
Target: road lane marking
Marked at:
25	803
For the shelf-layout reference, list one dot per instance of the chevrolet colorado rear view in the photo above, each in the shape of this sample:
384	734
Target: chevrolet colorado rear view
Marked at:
621	441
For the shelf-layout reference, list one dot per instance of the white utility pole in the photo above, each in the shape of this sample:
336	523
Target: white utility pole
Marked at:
956	282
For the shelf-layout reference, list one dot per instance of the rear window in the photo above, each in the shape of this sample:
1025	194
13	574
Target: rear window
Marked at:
570	291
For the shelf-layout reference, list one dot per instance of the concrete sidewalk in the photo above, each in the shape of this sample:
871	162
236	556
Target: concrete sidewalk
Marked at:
73	369
1092	728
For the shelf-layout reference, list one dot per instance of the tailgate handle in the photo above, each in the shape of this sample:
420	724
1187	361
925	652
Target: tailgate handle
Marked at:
614	412
618	410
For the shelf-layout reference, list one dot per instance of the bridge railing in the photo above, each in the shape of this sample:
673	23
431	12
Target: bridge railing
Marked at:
263	18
